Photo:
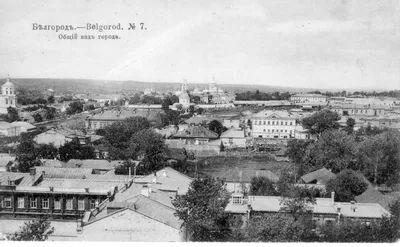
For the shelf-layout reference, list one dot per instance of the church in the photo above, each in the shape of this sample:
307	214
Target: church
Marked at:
7	97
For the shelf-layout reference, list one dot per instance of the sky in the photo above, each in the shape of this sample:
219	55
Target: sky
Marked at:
315	44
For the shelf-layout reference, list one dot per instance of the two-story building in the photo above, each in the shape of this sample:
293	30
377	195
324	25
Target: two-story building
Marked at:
356	110
308	99
274	124
196	135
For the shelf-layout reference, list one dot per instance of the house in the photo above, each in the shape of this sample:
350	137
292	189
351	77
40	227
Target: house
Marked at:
207	149
9	130
372	195
101	151
105	118
6	163
24	126
274	124
325	210
196	135
143	220
61	193
321	176
308	98
233	138
99	166
360	110
52	163
199	120
239	180
59	136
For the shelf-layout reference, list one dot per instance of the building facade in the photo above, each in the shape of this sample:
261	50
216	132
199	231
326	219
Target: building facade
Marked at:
274	124
308	98
8	96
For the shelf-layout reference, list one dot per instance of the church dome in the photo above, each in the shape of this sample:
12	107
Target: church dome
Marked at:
8	83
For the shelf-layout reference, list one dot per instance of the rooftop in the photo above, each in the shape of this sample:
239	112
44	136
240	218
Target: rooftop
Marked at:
322	176
25	125
93	164
233	133
196	132
322	206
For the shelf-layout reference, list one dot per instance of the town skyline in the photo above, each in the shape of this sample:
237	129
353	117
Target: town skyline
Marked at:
347	44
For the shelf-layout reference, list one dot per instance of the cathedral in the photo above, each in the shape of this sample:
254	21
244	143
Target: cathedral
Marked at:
7	97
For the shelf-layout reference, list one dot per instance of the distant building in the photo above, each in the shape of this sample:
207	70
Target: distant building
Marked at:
233	138
49	92
308	98
7	129
196	135
8	96
59	136
274	124
105	118
355	110
24	126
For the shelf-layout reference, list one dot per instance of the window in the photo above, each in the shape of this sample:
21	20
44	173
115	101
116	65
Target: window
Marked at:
281	130
57	204
272	131
290	123
286	123
45	203
68	205
92	204
7	202
264	130
81	205
273	122
230	140
268	123
264	122
285	131
6	101
21	202
237	200
33	203
281	123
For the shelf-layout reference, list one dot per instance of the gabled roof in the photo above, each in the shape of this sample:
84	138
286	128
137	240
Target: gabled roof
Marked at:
93	164
5	125
200	119
271	114
51	163
233	133
4	162
78	184
371	195
149	208
58	172
322	175
196	132
25	125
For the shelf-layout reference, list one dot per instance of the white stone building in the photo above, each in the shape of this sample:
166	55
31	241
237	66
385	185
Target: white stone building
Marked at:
7	97
308	98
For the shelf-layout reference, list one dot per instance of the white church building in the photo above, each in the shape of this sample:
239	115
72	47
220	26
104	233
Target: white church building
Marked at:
7	97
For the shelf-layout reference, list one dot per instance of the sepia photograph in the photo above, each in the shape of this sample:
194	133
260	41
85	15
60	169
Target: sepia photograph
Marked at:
229	121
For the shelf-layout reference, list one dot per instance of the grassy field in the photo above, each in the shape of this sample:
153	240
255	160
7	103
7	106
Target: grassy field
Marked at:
217	166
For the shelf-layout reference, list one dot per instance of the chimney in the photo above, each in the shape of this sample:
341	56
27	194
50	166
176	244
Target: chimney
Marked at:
130	171
333	198
43	173
154	179
353	206
32	171
145	190
164	173
149	185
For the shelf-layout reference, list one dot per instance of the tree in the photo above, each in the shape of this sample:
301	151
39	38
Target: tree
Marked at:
50	113
118	135
216	127
350	123
346	185
202	210
74	150
150	145
297	204
12	115
378	157
25	153
50	99
46	151
34	230
334	150
296	149
262	186
321	121
279	228
75	107
37	117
